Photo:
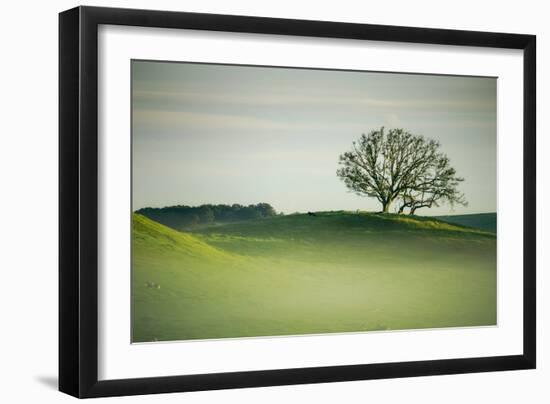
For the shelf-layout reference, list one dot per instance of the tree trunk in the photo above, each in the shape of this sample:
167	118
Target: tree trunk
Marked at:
401	209
386	206
412	211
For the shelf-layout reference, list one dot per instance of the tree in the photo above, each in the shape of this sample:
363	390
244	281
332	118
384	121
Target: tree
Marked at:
183	217
266	209
206	214
397	165
439	184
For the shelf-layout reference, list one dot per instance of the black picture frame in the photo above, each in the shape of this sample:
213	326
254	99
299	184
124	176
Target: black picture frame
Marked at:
78	196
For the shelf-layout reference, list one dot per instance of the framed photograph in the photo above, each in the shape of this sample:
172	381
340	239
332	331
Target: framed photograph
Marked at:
249	201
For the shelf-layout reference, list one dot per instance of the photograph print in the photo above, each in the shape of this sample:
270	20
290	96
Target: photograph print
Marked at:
274	201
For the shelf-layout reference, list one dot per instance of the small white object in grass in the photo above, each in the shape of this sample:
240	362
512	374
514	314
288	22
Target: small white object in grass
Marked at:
152	285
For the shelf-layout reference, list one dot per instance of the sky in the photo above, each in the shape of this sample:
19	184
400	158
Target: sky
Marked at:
204	133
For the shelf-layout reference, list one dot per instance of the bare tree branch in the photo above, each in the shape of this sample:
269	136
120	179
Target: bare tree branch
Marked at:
397	165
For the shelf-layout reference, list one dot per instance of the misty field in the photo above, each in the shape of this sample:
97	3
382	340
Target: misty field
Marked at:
304	274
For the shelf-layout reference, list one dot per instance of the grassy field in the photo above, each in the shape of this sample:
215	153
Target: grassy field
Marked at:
302	274
482	221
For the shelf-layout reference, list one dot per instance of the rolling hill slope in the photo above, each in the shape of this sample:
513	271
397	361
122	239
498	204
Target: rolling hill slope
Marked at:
302	274
483	221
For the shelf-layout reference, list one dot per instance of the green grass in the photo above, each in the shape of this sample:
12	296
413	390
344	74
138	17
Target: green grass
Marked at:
300	274
483	221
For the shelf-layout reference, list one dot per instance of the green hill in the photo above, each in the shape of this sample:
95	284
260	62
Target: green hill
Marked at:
483	221
304	274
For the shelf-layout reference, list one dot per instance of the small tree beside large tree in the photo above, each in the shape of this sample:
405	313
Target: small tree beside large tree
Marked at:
397	166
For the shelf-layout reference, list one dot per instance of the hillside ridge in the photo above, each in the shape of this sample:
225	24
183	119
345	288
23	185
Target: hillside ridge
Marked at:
358	222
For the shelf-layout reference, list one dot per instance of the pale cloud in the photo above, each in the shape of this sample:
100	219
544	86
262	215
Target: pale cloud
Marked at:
277	99
232	134
392	120
153	120
184	119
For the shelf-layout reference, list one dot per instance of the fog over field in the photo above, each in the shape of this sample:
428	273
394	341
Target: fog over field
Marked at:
302	274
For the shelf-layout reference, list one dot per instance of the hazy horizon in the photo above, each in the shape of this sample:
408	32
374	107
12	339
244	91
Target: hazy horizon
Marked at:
225	134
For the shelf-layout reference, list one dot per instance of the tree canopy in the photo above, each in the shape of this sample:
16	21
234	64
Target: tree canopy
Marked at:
396	166
183	217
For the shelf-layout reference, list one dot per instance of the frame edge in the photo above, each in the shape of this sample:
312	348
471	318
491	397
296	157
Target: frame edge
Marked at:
69	81
529	201
78	291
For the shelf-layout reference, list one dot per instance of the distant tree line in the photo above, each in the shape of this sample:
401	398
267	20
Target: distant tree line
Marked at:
183	217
